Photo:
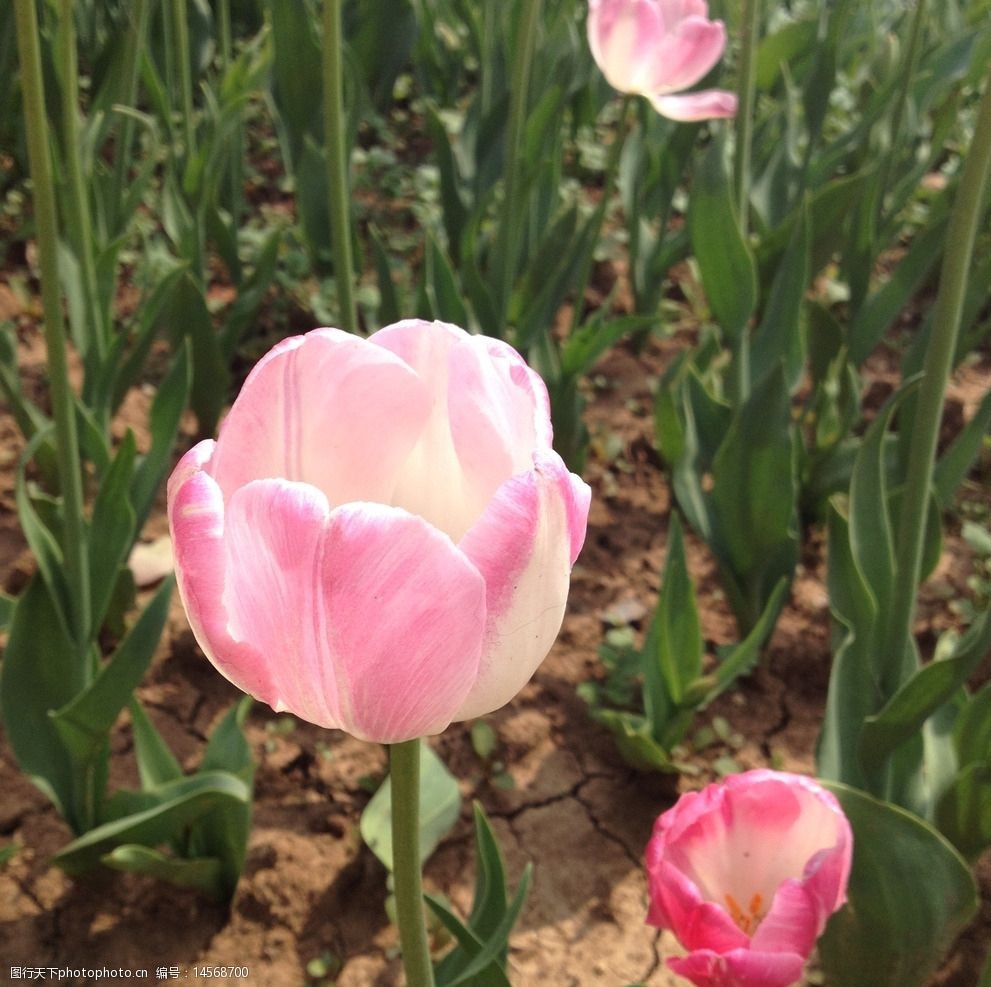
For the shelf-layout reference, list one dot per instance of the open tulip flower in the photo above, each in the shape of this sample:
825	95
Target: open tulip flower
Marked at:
381	538
657	48
746	873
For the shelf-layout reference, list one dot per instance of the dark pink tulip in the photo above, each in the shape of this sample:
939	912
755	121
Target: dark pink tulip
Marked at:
657	48
381	538
746	874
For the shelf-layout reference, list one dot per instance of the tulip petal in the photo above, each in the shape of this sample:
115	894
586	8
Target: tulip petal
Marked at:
793	924
490	412
326	409
676	904
710	104
370	618
739	968
687	54
196	520
523	545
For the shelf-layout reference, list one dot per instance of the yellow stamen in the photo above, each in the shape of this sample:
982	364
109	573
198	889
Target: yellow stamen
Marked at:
747	921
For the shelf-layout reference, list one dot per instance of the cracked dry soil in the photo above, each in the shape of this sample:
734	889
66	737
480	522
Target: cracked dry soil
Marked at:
576	811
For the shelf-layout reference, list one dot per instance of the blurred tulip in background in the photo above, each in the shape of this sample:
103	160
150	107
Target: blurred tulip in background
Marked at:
657	49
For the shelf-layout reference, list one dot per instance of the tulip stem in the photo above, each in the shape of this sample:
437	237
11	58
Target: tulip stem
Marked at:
746	92
180	25
404	762
92	336
960	237
514	205
337	164
63	406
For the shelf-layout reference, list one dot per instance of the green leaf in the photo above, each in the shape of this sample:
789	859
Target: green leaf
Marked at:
84	723
189	318
223	834
634	741
729	273
178	804
44	543
452	198
202	873
754	500
679	634
972	731
446	300
156	763
953	465
389	307
884	306
964	811
440	806
854	691
871	538
910	895
469	946
927	690
7	604
163	425
112	529
42	671
741	658
480	956
483	969
779	336
251	294
295	70
583	347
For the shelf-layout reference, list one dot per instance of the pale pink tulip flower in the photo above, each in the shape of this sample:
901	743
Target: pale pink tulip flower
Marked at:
381	538
746	874
657	49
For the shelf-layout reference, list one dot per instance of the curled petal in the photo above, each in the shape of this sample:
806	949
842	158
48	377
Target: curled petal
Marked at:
688	54
739	968
676	904
710	104
523	546
196	520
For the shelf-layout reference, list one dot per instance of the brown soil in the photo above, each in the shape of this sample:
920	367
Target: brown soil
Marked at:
576	811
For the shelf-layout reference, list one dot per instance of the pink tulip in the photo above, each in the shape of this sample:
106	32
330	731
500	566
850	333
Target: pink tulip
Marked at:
381	539
655	48
746	873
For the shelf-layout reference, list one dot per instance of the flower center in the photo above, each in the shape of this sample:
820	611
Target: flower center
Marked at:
747	921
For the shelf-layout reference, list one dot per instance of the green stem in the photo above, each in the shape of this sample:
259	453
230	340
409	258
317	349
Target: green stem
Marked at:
63	405
128	97
181	26
514	206
235	178
938	364
91	338
404	768
898	110
746	97
598	218
335	127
